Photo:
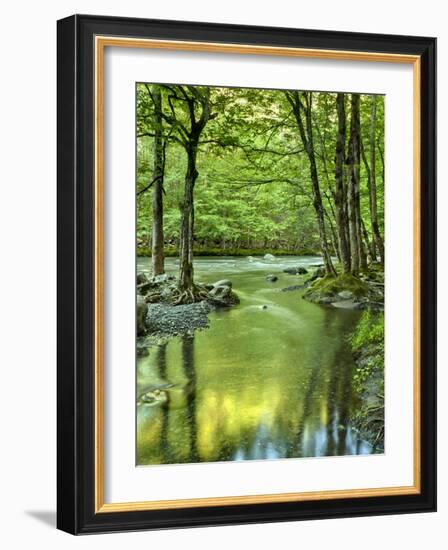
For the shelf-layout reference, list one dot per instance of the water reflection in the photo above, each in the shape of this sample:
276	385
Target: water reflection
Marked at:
258	384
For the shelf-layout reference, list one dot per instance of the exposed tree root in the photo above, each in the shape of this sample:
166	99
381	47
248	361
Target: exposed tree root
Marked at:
196	293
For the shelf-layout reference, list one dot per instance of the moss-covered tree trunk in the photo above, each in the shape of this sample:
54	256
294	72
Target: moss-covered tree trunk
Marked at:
157	248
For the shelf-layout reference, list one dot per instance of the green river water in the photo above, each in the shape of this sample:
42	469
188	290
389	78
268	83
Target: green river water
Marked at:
258	383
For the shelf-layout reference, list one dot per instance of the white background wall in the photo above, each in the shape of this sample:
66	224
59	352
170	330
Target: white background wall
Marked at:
27	272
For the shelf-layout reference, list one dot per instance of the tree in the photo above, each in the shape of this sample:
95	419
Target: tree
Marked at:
353	186
157	248
371	179
340	191
188	124
301	102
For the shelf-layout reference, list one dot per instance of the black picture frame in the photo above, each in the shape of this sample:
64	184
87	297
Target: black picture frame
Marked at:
76	273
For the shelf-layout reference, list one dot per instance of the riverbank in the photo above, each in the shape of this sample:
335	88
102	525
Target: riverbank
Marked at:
173	251
161	312
367	344
345	291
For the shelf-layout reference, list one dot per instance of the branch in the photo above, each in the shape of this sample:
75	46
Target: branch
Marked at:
150	184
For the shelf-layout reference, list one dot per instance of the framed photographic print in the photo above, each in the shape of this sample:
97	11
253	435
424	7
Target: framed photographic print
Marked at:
246	265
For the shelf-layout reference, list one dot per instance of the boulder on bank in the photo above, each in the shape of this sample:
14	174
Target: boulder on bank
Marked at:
317	274
346	295
271	278
147	285
347	304
142	310
141	278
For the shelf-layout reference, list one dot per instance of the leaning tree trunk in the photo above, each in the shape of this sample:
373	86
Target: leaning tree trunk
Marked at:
186	273
157	195
318	207
339	194
353	186
306	134
372	185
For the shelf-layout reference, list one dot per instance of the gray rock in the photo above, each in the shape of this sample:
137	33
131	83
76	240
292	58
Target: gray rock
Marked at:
269	257
271	278
141	278
223	282
222	296
293	287
319	272
291	270
346	304
264	307
142	310
250	258
163	278
295	270
346	294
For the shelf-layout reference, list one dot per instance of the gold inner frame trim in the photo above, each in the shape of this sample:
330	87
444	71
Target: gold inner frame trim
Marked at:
101	42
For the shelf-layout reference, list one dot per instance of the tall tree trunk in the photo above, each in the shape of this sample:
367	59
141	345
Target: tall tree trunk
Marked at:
186	272
306	134
340	192
157	194
353	186
190	142
372	185
370	245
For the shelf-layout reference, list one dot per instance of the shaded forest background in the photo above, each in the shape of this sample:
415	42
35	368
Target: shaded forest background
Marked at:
259	157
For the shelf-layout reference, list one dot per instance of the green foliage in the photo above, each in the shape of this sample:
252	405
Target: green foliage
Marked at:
367	343
173	251
253	189
369	331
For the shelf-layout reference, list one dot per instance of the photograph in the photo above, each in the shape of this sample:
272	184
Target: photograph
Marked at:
259	273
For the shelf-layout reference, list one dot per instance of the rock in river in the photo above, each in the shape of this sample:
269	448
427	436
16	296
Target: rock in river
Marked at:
223	282
271	278
222	296
295	270
269	257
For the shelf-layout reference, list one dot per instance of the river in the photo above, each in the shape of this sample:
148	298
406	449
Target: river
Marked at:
259	383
